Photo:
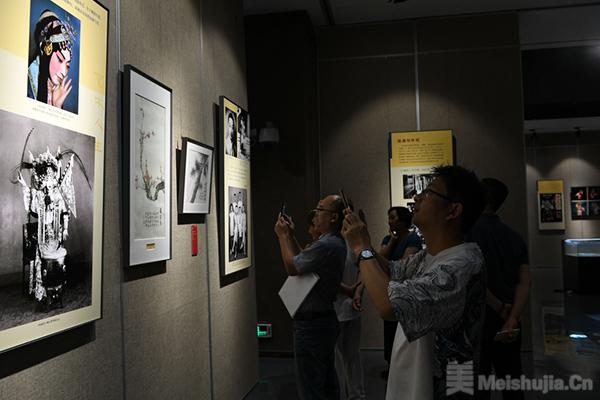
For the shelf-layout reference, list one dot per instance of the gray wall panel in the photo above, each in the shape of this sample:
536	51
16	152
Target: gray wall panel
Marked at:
361	102
468	32
477	95
365	40
197	49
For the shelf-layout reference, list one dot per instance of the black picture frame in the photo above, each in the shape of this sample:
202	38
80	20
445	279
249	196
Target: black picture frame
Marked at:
193	148
145	97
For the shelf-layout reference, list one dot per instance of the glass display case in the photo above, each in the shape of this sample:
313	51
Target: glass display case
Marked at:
581	265
582	247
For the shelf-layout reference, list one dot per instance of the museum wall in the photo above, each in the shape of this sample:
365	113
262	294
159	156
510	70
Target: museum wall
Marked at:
174	329
468	73
557	156
86	362
575	160
181	328
282	88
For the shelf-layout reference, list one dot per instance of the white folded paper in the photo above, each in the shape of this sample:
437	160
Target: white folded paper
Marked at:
295	289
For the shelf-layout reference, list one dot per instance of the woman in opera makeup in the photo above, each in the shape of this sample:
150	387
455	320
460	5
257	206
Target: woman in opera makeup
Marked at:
50	56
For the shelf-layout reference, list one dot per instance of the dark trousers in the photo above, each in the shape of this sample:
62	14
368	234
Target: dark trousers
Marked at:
505	358
314	356
389	333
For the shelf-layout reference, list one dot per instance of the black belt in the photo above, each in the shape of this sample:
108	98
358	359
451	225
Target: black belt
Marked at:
310	315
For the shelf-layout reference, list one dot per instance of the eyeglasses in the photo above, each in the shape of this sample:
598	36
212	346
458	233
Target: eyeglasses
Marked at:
428	190
324	209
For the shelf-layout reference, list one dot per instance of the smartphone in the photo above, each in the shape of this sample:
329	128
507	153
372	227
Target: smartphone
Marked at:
283	210
503	335
344	199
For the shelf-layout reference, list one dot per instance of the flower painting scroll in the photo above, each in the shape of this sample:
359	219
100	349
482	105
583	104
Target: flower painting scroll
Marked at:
147	172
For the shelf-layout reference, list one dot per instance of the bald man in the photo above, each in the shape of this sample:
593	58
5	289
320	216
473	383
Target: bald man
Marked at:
315	323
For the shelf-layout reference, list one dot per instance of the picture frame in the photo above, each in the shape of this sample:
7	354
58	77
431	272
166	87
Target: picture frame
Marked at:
147	126
52	235
195	177
235	194
551	204
585	202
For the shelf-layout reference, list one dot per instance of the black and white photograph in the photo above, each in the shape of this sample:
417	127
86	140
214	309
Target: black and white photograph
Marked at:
147	167
234	186
47	202
195	177
231	133
243	136
415	183
238	223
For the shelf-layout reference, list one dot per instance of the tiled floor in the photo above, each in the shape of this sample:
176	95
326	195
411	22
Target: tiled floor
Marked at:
277	375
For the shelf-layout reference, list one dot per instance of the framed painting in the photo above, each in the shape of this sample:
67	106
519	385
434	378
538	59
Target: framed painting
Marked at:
52	114
195	177
235	210
146	167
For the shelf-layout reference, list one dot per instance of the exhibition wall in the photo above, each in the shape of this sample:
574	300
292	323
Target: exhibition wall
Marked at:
282	88
459	73
573	158
170	329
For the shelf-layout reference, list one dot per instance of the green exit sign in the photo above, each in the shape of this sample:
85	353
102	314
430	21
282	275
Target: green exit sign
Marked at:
263	330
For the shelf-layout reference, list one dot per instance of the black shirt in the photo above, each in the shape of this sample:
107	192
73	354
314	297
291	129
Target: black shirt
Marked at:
504	251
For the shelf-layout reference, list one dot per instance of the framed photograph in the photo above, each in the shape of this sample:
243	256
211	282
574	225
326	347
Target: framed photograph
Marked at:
585	202
235	210
195	177
146	167
550	196
594	202
52	113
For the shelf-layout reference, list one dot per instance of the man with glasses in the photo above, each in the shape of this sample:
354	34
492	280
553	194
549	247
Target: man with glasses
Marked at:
315	323
437	295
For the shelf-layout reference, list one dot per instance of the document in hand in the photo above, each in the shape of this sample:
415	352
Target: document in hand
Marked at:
295	289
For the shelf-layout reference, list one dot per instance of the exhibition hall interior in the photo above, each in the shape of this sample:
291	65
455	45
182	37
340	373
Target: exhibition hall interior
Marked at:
159	154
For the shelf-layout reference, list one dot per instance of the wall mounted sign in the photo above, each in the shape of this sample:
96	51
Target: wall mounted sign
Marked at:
550	204
53	63
412	157
146	168
235	193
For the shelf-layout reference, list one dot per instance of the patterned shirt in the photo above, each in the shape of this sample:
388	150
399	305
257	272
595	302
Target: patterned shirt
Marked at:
441	295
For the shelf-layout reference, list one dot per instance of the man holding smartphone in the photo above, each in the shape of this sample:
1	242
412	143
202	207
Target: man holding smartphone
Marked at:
315	323
437	295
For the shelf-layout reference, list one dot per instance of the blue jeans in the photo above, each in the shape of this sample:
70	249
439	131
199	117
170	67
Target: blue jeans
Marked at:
314	355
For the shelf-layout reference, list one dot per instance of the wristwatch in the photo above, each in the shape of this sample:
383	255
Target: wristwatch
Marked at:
366	254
